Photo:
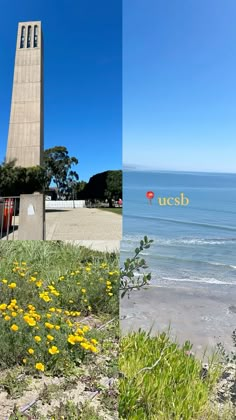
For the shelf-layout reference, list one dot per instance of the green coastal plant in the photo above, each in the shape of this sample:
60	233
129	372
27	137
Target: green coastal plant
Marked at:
228	357
162	380
132	275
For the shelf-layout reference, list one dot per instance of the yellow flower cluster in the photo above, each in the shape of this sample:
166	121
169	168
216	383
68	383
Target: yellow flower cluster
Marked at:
109	288
49	324
78	337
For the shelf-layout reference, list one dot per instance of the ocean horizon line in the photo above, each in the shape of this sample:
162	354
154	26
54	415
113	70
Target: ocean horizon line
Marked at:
137	168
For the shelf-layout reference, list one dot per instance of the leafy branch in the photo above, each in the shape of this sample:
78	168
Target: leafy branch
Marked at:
129	278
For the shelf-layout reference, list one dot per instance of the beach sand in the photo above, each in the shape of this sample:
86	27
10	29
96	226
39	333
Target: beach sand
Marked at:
203	315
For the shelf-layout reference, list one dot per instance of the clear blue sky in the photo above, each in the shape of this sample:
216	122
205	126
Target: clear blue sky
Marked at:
82	70
179	84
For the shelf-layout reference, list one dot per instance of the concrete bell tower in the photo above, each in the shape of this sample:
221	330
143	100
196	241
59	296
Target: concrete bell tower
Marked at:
26	127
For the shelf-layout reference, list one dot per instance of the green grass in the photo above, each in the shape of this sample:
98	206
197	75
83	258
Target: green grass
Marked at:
115	210
161	380
51	258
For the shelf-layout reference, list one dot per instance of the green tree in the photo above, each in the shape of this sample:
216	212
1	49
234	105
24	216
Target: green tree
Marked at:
105	185
113	185
80	188
58	164
16	180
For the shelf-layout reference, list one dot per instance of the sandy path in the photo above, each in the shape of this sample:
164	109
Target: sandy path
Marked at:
83	224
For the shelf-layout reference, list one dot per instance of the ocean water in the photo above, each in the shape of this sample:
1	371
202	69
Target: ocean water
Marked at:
192	244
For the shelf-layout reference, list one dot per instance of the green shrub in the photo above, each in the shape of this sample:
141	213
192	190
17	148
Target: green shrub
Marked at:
161	380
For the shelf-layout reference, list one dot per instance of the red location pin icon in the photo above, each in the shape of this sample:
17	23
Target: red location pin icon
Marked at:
150	196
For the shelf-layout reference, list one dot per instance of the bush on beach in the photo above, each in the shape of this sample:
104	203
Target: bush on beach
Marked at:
160	379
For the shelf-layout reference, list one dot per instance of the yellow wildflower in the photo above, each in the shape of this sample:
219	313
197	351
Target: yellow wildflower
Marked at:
55	293
31	351
79	338
14	327
39	283
40	366
46	298
12	285
30	321
86	328
37	338
53	350
79	331
3	306
71	339
48	325
50	337
85	346
7	318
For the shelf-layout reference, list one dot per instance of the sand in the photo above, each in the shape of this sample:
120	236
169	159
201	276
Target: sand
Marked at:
203	315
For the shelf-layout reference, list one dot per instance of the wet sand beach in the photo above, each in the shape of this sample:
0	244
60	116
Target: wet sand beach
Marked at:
203	315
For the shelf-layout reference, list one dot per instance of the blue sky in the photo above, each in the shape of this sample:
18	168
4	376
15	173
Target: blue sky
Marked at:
82	71
179	84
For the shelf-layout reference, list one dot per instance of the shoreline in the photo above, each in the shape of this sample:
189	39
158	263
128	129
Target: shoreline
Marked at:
204	316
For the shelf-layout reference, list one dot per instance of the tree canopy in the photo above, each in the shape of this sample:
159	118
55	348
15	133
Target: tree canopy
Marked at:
105	185
58	164
16	180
